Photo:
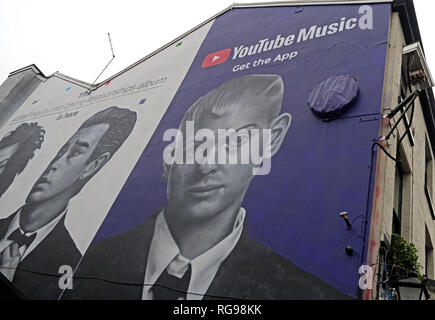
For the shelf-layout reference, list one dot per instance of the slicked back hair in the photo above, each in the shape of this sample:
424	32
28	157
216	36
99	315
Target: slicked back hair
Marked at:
263	90
121	122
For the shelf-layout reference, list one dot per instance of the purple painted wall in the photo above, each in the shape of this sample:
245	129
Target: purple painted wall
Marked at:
322	168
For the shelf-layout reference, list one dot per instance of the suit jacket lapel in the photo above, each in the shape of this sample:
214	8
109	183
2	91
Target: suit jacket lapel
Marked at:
38	273
225	282
138	248
56	249
4	224
139	244
121	259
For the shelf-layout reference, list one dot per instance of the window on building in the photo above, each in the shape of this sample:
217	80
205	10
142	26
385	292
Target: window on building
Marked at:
403	88
398	201
428	177
429	263
402	206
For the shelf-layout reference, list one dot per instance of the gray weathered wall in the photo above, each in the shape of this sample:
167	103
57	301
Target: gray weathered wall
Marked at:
417	224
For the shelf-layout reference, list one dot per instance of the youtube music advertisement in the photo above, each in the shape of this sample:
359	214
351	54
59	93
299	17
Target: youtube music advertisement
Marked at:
214	170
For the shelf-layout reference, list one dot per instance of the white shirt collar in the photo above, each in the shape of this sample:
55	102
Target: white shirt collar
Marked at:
165	254
40	233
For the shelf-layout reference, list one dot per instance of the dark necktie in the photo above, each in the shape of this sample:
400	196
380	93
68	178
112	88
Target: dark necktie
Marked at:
21	239
168	287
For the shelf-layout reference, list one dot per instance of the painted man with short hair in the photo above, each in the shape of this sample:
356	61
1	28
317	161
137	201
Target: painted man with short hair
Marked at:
197	246
17	148
34	242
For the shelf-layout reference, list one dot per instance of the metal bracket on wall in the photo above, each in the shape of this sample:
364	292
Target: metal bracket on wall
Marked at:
407	101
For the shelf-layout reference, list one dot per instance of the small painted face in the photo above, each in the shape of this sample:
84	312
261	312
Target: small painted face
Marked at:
201	191
6	154
68	165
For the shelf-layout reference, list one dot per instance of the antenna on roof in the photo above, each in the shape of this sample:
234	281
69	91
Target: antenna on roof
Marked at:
113	57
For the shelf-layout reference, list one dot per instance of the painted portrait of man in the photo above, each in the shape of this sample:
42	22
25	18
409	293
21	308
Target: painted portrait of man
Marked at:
17	148
34	241
197	246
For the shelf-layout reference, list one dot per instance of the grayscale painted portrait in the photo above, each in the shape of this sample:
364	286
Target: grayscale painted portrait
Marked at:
17	148
197	246
34	241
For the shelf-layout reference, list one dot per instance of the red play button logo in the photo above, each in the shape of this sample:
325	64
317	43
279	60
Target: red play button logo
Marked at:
216	58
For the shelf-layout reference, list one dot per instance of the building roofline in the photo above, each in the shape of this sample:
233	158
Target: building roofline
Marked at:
304	3
176	40
287	3
78	82
29	67
163	47
57	74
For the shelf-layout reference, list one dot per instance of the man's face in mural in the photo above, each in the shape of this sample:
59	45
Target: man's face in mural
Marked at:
6	154
69	165
201	191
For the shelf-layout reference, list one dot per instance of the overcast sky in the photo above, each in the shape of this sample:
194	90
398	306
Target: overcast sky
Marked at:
71	36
